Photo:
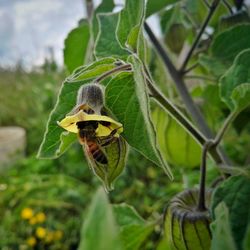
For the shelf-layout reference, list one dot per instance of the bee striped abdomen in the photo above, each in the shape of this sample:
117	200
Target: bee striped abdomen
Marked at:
96	152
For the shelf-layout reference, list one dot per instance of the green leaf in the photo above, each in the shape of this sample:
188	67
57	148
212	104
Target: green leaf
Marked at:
76	46
130	21
241	96
235	192
213	65
107	43
224	49
246	242
155	6
133	229
52	146
126	97
222	235
234	84
126	214
229	43
104	7
99	230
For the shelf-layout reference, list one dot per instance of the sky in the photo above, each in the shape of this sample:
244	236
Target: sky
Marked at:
29	27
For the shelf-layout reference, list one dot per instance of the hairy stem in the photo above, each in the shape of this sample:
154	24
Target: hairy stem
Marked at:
200	77
212	9
183	91
224	128
228	6
208	145
123	67
180	85
176	114
203	169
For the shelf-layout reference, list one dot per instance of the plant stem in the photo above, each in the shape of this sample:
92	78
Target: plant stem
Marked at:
210	144
191	68
195	113
206	3
224	128
123	67
200	77
228	6
176	114
180	85
202	191
212	8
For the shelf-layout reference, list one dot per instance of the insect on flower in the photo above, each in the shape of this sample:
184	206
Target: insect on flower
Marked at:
99	134
95	131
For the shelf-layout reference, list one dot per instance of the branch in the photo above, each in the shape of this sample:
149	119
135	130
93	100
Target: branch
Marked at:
123	67
203	169
212	8
224	128
228	6
180	85
183	91
201	77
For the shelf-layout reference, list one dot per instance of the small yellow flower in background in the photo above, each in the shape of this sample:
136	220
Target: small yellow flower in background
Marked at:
31	241
40	232
41	217
33	221
27	213
58	234
49	237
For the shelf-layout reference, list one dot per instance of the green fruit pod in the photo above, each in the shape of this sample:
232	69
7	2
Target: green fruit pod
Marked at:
186	228
176	145
116	154
175	37
234	19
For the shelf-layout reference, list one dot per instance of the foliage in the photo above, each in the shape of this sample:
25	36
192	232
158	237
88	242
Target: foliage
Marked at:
200	88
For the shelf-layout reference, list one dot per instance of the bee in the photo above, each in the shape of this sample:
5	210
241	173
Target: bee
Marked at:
92	143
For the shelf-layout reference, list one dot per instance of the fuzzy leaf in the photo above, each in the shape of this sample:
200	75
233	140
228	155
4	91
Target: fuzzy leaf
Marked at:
52	146
235	83
229	43
127	99
224	49
104	7
99	230
222	235
76	46
235	193
133	229
130	21
107	43
155	6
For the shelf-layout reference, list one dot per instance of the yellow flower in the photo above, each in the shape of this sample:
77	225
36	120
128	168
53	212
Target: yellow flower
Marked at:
49	237
31	241
40	232
58	234
69	123
33	221
41	217
27	213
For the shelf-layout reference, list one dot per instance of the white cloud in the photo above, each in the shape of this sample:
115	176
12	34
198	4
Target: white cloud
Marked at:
33	11
36	25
